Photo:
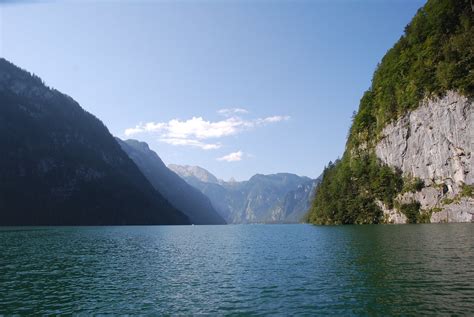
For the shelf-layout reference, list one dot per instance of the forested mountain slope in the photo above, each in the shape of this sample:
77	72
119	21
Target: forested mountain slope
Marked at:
59	165
408	157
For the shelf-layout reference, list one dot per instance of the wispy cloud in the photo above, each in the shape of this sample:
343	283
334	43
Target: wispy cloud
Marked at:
232	111
191	142
274	119
232	157
194	131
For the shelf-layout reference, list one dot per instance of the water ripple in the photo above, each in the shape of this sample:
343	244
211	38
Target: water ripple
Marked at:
232	270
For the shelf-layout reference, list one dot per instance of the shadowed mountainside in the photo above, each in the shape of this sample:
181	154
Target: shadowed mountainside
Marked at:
61	166
179	193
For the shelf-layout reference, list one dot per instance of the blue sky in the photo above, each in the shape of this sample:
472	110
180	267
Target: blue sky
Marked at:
237	87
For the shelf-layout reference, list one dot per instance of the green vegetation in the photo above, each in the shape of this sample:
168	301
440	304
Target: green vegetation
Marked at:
467	190
411	211
436	54
424	216
448	201
412	185
435	209
349	191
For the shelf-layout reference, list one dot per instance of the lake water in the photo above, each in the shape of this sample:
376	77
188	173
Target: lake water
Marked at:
247	269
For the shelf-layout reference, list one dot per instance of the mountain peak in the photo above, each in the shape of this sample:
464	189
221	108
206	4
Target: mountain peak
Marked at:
197	172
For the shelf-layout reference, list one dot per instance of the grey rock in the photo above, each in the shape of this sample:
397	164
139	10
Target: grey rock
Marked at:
461	211
434	143
391	215
194	171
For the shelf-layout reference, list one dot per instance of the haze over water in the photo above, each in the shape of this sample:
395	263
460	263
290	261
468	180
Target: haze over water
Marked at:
254	269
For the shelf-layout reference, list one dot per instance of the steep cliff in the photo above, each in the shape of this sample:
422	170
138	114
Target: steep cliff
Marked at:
59	165
434	144
408	157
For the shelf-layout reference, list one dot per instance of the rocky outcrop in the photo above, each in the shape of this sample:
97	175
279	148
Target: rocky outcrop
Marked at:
435	144
461	211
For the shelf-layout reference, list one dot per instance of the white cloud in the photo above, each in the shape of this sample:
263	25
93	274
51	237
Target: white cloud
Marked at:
232	157
232	111
199	128
132	131
147	127
191	142
276	119
196	127
193	131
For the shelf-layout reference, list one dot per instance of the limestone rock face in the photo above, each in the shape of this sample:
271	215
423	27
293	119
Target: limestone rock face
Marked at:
435	143
459	212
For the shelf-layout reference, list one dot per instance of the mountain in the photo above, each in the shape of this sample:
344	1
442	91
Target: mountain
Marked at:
180	194
61	166
408	157
278	198
199	173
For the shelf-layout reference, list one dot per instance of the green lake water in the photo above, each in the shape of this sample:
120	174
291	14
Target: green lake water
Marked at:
241	269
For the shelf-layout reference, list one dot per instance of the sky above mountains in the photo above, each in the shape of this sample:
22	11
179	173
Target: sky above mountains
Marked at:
237	87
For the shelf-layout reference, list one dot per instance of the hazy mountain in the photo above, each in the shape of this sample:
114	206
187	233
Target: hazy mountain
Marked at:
277	198
196	172
179	193
59	164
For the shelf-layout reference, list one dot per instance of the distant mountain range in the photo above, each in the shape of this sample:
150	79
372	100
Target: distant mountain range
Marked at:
59	165
179	193
277	198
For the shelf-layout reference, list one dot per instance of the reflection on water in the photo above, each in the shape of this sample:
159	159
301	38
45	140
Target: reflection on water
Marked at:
267	269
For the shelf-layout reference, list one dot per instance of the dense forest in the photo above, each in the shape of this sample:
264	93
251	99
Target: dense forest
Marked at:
435	54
